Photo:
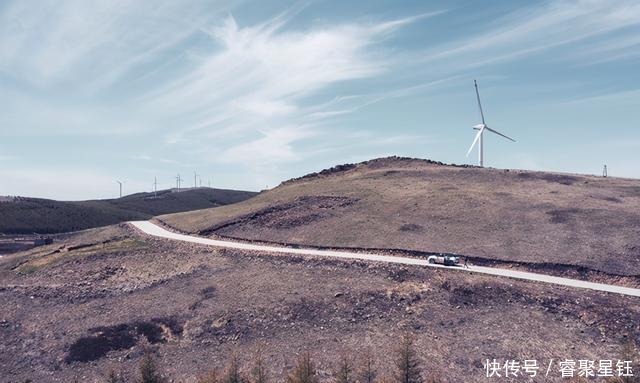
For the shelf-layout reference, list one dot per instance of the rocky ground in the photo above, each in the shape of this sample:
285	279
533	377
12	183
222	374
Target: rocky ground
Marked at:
96	304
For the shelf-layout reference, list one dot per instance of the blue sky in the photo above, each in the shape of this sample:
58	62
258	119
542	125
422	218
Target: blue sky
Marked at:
249	93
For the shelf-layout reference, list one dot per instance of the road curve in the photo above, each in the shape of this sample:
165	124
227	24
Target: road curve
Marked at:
157	231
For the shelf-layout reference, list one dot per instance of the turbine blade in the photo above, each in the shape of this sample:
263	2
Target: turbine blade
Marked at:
476	140
500	134
479	104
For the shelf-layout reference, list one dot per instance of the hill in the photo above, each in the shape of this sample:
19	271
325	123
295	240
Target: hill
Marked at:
21	215
533	218
101	299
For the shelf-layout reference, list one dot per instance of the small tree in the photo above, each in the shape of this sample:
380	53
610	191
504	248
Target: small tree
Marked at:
305	370
149	372
368	372
408	366
233	374
344	372
259	371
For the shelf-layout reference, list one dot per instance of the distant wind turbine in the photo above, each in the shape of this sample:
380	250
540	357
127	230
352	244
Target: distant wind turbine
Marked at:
481	128
155	187
178	179
120	183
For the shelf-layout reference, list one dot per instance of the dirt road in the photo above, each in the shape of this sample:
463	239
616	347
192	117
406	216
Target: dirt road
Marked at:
155	230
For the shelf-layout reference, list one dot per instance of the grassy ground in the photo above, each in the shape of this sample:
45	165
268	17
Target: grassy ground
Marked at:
98	308
517	216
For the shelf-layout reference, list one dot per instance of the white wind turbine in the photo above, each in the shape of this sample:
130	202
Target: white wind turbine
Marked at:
481	128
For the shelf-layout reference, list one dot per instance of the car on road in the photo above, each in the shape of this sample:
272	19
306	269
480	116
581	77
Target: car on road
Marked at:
446	260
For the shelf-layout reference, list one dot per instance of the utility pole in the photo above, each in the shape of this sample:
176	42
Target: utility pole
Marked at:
120	183
604	171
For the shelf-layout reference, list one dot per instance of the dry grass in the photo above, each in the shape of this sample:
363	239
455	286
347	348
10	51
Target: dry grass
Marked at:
518	216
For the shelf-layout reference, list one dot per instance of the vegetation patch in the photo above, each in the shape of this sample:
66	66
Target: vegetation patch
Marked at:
562	215
121	337
65	253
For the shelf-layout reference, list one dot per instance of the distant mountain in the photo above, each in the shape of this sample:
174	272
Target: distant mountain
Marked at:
22	215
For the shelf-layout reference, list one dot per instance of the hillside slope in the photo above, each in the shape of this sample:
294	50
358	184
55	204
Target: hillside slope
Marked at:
400	203
28	215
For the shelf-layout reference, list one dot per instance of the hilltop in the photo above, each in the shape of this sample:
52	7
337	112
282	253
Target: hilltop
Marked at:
22	215
539	219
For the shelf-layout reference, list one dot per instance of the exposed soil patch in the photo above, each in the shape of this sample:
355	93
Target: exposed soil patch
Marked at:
301	211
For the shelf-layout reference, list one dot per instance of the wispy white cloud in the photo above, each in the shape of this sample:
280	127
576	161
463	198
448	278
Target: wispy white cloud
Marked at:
253	90
535	29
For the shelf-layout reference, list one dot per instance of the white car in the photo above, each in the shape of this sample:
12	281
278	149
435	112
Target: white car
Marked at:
447	260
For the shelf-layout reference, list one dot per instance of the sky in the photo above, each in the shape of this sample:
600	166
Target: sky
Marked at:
250	93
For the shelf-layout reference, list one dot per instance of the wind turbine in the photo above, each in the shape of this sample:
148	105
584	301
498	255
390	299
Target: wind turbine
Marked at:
481	128
155	187
178	179
120	183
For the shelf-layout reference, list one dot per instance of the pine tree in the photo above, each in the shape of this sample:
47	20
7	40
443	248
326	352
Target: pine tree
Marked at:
259	370
305	370
233	374
209	377
149	372
408	365
368	373
344	372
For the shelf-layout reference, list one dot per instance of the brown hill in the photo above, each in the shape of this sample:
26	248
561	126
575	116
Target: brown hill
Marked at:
401	203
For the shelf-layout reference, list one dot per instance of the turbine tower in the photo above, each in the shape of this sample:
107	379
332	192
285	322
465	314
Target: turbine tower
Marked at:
481	128
178	179
120	183
155	187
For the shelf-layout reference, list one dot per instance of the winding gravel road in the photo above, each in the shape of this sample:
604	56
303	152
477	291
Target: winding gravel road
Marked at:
157	231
